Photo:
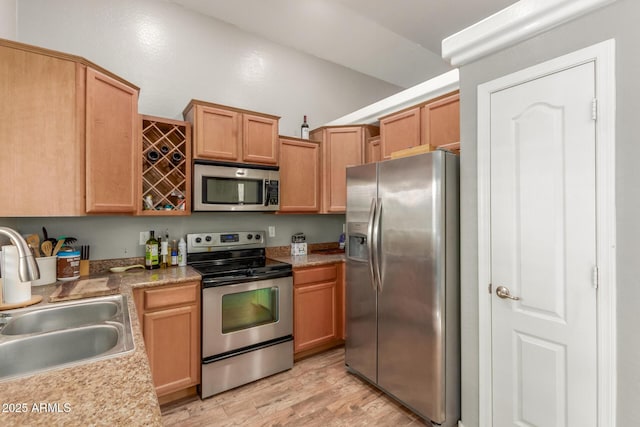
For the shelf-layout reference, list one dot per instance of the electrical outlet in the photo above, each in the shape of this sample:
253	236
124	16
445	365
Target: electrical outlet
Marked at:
144	236
272	231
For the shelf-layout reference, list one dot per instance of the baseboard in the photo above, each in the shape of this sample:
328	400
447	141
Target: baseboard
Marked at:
170	398
460	424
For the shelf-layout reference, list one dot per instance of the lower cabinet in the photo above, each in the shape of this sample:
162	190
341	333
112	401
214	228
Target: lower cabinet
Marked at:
317	309
170	320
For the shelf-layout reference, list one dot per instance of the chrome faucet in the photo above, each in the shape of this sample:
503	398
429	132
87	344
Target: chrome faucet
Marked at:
27	267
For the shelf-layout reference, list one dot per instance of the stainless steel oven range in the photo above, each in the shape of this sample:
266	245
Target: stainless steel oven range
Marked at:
247	309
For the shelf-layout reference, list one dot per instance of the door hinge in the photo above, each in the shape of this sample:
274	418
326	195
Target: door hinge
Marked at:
594	109
595	277
489	288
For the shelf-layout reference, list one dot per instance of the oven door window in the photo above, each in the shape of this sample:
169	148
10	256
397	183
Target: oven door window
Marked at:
232	191
244	310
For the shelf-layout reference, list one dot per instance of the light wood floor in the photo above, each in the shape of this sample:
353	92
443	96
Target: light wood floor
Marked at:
316	392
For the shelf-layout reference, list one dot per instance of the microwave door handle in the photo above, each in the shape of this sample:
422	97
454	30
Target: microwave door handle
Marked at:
266	192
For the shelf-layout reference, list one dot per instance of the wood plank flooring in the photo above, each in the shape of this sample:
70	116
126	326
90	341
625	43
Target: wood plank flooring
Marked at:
318	391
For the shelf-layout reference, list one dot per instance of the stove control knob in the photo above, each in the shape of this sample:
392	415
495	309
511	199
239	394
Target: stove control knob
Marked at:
198	239
208	238
257	236
249	236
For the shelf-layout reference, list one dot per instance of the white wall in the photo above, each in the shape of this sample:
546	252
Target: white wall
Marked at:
175	55
619	21
8	19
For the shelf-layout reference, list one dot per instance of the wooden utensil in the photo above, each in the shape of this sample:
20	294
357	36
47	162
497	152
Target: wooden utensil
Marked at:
34	243
57	248
47	248
121	269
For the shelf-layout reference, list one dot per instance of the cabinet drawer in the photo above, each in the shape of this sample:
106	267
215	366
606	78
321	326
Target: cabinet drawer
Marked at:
315	274
170	296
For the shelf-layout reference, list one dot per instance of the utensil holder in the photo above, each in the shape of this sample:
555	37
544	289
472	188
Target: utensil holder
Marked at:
84	267
47	267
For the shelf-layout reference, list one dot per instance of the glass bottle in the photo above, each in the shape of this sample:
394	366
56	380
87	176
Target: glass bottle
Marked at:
151	255
304	129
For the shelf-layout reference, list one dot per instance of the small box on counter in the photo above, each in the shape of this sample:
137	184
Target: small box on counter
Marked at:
298	244
298	249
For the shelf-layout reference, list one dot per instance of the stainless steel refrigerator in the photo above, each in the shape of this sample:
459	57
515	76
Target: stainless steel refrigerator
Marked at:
402	294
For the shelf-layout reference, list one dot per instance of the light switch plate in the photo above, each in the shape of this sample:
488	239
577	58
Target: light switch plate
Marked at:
272	231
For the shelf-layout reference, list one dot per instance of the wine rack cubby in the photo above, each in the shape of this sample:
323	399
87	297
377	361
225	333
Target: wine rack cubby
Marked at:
166	167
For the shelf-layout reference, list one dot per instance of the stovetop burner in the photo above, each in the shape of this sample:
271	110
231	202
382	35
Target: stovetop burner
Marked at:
232	257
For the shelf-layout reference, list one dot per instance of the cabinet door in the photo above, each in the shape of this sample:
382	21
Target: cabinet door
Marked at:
342	147
400	131
299	176
342	299
41	135
314	315
259	139
171	338
111	130
441	121
216	134
372	152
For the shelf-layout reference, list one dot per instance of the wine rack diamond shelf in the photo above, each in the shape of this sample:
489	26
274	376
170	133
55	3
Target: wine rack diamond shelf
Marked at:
166	167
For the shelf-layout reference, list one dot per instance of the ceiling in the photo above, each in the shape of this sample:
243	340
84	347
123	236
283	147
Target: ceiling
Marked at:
395	41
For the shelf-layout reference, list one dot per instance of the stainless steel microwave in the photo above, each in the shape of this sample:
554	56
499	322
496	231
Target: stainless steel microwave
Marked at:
231	187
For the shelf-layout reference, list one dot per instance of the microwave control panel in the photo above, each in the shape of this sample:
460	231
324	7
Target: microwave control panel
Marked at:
272	193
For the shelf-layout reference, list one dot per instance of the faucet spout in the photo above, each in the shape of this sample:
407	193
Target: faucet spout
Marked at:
27	266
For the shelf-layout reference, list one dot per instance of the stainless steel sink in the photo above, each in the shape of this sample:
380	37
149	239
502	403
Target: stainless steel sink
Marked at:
61	335
55	318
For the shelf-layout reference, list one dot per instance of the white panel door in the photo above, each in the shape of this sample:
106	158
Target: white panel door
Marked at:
543	250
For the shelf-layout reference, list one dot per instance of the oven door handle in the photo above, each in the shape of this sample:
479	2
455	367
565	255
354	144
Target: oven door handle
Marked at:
210	283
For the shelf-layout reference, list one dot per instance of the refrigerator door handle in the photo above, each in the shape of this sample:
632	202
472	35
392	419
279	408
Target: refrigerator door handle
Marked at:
376	242
372	214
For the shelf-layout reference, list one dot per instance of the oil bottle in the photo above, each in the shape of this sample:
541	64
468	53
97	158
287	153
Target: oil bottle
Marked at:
151	253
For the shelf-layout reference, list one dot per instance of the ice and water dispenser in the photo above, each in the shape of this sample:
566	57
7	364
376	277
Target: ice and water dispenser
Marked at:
357	246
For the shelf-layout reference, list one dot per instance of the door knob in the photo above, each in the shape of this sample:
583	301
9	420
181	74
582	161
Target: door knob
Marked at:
503	292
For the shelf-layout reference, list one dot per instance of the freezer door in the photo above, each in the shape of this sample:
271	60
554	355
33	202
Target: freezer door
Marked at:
412	268
361	339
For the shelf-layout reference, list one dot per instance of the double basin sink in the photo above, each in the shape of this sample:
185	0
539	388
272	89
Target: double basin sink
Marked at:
65	334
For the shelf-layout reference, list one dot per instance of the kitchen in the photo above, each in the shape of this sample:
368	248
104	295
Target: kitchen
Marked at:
111	236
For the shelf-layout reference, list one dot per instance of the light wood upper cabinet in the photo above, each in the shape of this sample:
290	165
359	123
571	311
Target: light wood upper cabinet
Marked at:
232	135
112	124
217	134
372	152
342	146
68	131
41	130
434	123
260	139
441	121
299	175
400	131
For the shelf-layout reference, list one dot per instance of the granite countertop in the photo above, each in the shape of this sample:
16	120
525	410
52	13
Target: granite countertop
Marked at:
115	391
310	260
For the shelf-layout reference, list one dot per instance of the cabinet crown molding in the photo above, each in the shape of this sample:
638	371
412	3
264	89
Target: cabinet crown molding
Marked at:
511	25
65	56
